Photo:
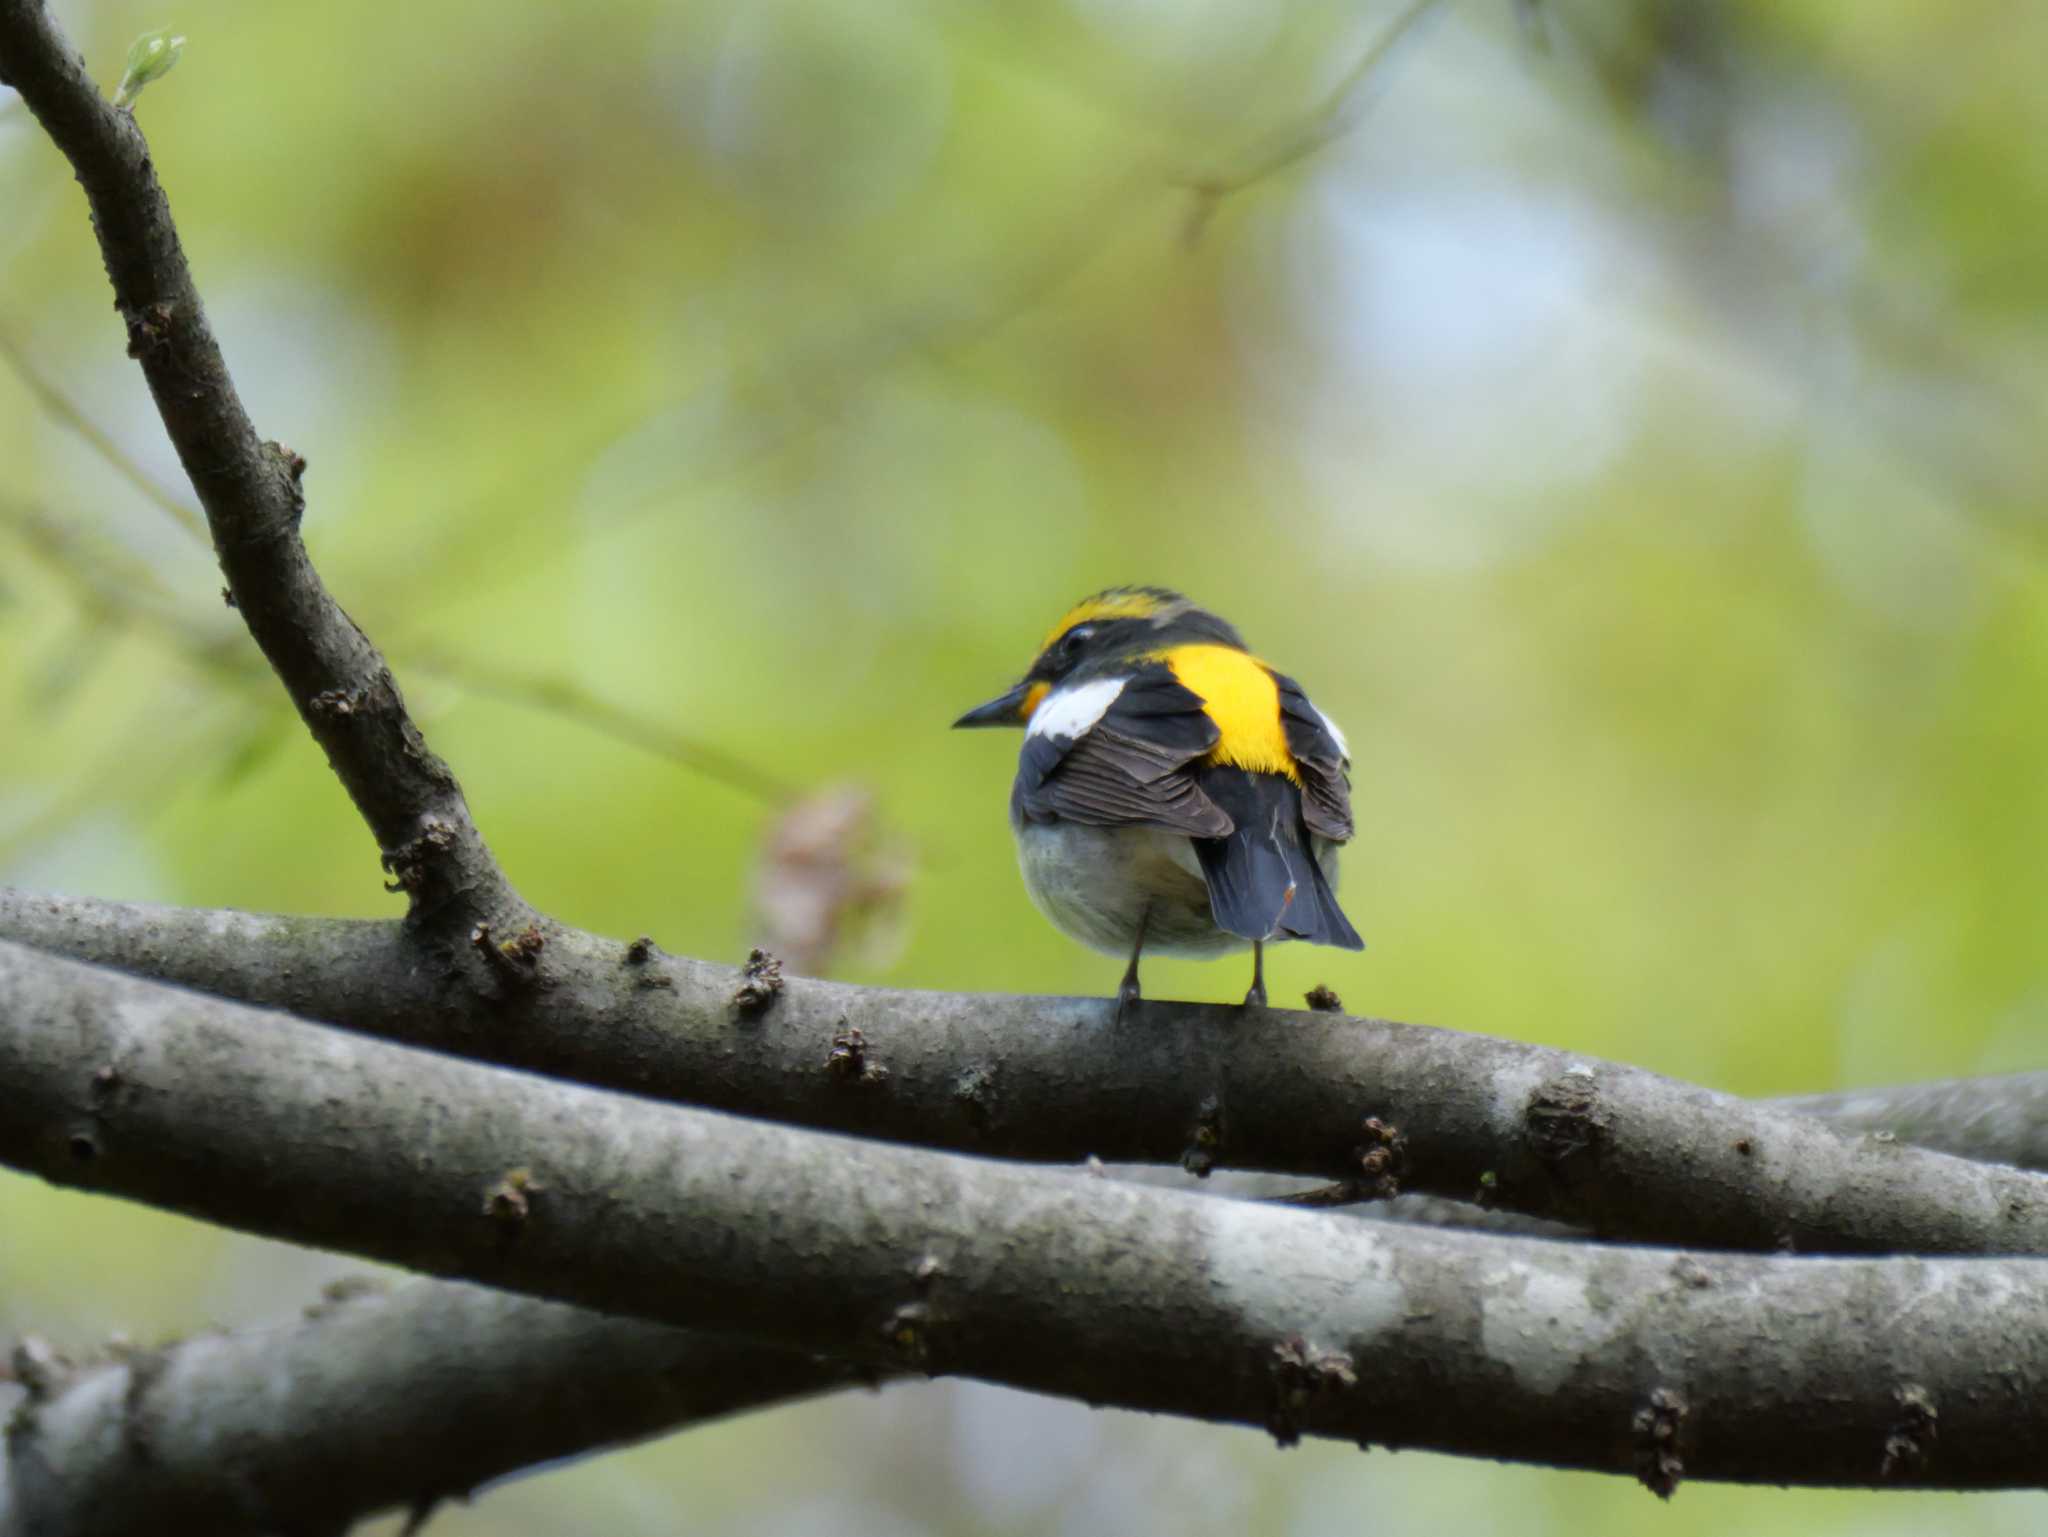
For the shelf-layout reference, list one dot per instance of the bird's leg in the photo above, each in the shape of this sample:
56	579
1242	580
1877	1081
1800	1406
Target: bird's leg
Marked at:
1256	998
1127	990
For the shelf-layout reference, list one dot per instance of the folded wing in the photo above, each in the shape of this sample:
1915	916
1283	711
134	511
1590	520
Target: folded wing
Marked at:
1320	755
1119	758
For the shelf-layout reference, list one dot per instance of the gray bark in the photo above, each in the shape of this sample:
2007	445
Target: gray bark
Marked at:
1606	1357
370	1401
2002	1119
1548	1133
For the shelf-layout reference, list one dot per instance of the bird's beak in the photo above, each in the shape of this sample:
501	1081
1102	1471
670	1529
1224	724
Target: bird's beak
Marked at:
1003	710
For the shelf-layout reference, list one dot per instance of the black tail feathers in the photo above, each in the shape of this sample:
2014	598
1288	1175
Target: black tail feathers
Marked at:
1264	882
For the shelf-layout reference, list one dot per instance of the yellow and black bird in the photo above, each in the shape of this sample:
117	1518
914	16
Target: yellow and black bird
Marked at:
1174	793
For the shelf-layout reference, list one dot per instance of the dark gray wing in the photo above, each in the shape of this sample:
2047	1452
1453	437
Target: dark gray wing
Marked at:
1265	881
1325	780
1129	768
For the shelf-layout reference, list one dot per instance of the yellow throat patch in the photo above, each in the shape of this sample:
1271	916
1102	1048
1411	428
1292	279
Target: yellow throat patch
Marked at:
1240	696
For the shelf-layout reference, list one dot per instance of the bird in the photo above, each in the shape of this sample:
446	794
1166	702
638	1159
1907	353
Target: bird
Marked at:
1175	795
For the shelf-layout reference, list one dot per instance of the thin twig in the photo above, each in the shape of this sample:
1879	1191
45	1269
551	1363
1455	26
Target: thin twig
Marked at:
1341	110
107	580
569	700
60	407
816	376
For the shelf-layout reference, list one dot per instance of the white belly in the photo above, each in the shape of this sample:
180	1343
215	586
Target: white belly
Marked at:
1094	883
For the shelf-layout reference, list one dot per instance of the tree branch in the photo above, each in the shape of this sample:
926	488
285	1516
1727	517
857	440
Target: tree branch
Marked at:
1535	1130
250	491
374	1399
2002	1119
347	696
1736	1367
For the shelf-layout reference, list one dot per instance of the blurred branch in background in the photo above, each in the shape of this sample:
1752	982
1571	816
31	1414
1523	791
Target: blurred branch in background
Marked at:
777	404
1755	156
61	408
162	748
143	771
830	871
806	890
109	579
112	585
1346	105
773	405
566	699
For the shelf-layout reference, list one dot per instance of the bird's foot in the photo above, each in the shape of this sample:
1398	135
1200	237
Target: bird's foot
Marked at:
1256	998
1126	995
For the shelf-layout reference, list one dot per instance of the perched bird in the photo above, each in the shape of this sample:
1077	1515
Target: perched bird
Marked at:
1174	793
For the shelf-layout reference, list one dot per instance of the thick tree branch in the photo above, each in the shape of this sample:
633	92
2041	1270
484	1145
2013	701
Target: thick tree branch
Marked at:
1545	1132
373	1400
250	491
2002	1119
1614	1358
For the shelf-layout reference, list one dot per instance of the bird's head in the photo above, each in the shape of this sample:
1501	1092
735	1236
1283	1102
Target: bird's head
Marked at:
1098	636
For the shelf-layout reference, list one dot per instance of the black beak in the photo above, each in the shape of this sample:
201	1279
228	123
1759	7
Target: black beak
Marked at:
1003	710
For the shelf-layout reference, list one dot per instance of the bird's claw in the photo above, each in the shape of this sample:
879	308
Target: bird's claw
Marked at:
1126	995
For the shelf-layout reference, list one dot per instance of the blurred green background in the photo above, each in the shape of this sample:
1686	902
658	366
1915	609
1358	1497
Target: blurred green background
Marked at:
1623	415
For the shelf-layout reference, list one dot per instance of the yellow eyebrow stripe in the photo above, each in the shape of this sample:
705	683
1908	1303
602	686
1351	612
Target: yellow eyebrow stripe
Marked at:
1238	693
1104	605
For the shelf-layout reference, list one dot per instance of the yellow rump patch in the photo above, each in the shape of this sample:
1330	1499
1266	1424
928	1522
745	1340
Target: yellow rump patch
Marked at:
1240	696
1117	603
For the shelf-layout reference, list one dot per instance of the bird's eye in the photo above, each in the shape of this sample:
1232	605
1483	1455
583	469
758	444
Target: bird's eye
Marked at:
1071	641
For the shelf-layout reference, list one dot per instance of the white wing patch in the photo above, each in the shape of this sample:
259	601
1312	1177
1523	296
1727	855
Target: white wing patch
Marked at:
1070	712
1330	726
